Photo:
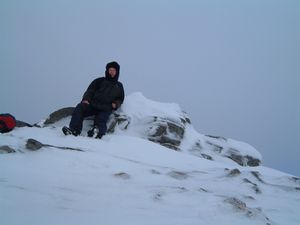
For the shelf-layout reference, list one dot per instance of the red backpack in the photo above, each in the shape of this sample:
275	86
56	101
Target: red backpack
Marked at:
7	122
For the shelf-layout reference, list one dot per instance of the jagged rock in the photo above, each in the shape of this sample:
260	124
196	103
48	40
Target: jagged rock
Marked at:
257	176
117	120
187	120
178	175
216	148
176	129
254	186
122	175
216	137
153	171
295	179
249	197
252	161
157	196
243	160
33	145
166	132
202	190
198	146
237	158
215	145
234	172
241	206
236	203
58	115
210	147
197	150
6	149
166	141
205	156
23	124
160	130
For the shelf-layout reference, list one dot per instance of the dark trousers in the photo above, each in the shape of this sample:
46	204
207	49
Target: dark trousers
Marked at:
83	110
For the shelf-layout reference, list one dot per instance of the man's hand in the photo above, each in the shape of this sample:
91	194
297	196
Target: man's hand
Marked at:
85	102
114	105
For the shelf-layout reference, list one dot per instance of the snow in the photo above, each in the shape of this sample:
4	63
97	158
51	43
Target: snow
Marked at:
138	107
126	179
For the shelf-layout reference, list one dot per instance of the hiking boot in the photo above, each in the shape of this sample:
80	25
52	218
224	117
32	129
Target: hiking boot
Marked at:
90	133
69	131
94	132
99	136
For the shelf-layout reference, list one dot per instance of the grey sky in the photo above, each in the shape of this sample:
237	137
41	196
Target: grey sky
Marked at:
233	66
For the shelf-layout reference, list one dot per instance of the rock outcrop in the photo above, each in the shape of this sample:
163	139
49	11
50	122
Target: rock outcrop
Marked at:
210	147
165	124
6	149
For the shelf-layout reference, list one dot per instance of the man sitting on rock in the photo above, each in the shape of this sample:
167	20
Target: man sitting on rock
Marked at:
103	95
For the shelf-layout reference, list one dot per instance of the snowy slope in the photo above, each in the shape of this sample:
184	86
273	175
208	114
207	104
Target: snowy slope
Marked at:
126	179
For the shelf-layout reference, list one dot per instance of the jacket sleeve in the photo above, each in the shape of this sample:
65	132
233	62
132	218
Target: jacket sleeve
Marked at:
89	93
120	99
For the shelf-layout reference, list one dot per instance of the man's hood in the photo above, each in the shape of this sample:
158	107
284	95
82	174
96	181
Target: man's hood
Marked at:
112	65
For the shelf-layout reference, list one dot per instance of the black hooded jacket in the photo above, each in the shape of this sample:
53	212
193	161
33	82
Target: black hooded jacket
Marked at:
104	91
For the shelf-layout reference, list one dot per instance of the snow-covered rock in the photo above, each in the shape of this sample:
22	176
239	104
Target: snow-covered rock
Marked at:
165	124
49	178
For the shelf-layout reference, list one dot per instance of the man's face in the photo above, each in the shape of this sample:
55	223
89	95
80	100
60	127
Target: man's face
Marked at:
112	72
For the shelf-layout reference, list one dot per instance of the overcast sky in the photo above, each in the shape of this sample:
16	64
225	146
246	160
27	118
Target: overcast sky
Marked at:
233	66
